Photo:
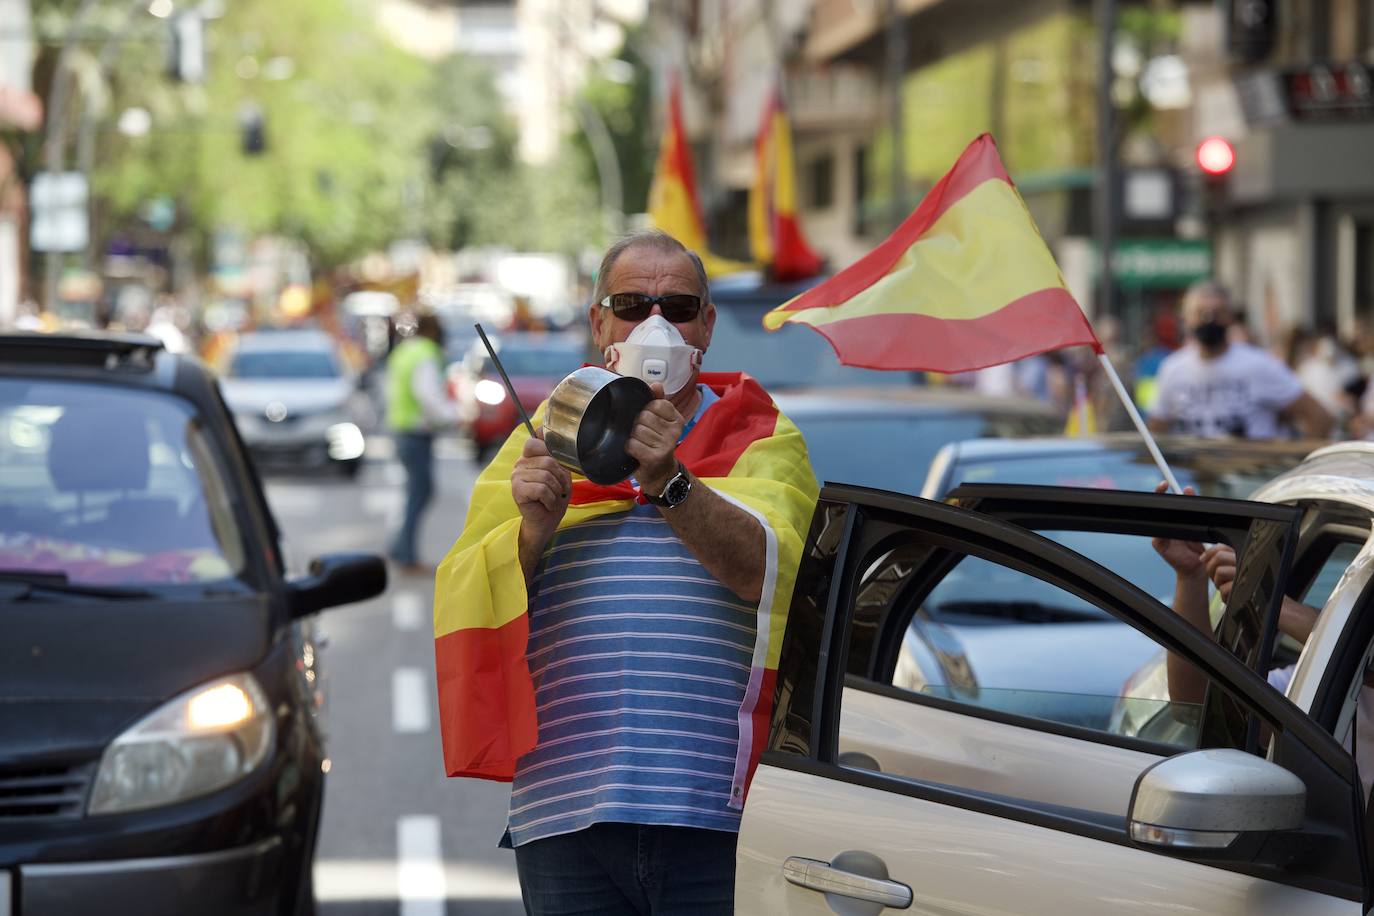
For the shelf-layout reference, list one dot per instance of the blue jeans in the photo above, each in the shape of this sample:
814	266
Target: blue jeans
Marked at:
629	869
416	454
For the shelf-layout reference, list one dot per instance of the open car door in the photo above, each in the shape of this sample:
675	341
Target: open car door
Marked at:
876	794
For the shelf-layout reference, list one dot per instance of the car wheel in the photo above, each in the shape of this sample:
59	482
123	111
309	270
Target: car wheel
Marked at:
352	468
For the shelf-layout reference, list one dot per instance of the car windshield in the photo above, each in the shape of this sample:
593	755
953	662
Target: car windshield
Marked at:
284	364
110	486
554	362
897	450
1104	470
1231	476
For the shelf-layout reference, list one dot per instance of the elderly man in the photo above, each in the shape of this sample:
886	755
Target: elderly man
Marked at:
1215	387
611	648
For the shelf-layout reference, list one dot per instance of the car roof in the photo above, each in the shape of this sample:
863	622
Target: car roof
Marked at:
135	360
1343	472
977	450
811	402
295	339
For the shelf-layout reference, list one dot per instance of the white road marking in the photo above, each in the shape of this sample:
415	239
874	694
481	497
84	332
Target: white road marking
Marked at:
407	611
409	700
365	880
420	868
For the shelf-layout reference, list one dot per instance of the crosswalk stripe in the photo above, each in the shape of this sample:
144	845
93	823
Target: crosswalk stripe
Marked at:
421	866
409	701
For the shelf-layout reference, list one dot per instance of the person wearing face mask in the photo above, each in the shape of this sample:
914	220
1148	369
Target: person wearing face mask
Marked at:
1214	387
648	612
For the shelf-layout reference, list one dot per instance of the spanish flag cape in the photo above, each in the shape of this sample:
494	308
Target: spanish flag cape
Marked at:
743	448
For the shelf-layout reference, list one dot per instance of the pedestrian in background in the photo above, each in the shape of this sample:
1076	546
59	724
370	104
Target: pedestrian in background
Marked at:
607	647
416	410
1216	387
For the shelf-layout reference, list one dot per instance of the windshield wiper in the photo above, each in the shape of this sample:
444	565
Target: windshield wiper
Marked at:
51	581
1022	611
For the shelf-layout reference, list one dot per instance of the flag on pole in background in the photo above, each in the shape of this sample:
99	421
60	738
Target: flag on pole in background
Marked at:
1082	419
965	282
673	203
775	235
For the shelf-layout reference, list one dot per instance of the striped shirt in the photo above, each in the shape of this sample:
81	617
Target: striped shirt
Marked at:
640	660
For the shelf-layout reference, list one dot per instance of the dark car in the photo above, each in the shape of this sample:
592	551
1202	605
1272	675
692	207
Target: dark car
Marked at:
159	746
792	356
887	437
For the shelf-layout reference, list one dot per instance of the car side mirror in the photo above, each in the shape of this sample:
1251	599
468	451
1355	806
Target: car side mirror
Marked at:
1205	803
337	578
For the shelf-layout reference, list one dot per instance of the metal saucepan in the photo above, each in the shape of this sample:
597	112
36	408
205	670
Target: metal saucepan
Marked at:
589	419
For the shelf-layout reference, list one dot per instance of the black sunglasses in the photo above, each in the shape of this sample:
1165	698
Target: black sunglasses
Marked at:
676	307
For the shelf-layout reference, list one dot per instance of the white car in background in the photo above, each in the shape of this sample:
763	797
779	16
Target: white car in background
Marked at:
295	403
871	796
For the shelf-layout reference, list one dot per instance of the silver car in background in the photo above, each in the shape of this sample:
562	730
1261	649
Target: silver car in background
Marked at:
296	404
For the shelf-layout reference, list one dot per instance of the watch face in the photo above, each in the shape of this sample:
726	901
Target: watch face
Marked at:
677	490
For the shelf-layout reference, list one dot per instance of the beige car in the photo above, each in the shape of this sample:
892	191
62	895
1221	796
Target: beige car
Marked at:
939	801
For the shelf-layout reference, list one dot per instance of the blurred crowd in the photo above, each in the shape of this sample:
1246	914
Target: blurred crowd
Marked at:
1334	370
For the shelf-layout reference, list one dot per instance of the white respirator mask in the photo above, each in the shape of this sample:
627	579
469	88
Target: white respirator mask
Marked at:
655	352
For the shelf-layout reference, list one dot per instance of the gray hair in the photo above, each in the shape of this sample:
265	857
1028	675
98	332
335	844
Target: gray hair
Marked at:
650	238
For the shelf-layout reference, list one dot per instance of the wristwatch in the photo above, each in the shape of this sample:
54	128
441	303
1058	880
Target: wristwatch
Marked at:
674	491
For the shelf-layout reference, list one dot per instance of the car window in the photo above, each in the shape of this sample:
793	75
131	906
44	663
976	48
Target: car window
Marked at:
999	639
284	364
111	486
1330	573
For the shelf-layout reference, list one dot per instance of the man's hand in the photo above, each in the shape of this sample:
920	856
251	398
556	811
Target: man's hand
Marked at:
1185	557
653	442
1220	561
541	487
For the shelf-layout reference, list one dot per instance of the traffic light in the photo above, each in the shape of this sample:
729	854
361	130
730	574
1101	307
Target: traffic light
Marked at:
1216	157
252	131
1251	29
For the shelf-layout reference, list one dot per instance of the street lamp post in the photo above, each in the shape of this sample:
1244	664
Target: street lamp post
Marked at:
1107	167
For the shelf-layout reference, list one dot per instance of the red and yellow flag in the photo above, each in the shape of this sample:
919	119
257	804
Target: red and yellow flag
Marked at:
964	283
743	448
673	203
775	235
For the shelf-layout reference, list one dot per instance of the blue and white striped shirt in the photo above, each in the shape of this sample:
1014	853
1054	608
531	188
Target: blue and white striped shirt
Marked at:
640	660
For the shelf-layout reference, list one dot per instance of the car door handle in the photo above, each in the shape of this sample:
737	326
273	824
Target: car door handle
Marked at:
816	875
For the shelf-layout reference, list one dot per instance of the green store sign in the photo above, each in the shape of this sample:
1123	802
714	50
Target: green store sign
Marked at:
1161	263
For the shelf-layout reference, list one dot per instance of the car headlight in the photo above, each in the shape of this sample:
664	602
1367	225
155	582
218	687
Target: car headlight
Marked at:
201	741
346	441
489	392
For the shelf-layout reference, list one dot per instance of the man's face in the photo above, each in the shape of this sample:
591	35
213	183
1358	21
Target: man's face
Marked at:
1205	308
646	269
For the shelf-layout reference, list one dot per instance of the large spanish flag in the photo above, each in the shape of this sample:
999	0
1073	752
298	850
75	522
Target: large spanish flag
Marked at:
965	282
673	203
775	234
743	448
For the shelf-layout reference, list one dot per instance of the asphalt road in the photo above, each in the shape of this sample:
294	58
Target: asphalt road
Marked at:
397	836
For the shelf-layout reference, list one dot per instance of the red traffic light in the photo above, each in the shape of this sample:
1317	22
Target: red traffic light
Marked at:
1216	156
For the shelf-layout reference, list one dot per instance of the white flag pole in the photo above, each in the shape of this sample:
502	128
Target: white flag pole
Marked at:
1139	422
